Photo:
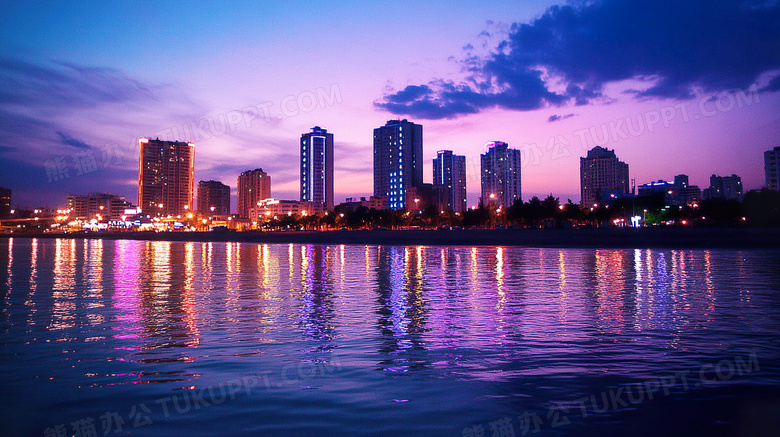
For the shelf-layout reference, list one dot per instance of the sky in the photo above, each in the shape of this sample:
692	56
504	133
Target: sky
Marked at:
673	87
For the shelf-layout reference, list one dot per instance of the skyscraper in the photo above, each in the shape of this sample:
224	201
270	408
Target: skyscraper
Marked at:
253	186
317	168
501	185
602	172
166	177
398	149
449	179
772	168
213	194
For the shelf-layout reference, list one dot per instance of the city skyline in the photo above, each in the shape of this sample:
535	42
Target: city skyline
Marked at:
717	116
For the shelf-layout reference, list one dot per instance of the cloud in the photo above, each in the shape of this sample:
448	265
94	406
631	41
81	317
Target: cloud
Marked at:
556	117
774	84
73	142
63	85
55	110
570	53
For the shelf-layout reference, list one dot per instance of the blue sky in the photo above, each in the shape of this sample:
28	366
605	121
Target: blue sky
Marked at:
81	79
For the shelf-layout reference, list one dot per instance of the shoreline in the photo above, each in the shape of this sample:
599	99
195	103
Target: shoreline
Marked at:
626	238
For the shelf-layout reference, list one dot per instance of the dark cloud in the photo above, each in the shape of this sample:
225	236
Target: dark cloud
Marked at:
774	85
556	117
62	85
674	48
73	142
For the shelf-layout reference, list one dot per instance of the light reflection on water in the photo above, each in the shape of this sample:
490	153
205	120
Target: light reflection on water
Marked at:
460	334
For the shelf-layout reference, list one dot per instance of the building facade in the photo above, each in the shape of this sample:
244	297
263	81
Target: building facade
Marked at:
317	168
449	179
213	198
724	187
772	168
5	202
500	175
267	209
373	202
101	206
398	149
253	186
419	198
602	172
166	177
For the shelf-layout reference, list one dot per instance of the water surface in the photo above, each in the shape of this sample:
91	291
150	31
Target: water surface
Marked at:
160	338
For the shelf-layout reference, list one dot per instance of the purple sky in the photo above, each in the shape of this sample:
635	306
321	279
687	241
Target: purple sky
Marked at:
677	89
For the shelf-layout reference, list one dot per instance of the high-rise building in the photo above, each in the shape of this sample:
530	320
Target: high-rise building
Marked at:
213	198
449	179
317	168
772	168
500	167
166	177
601	172
253	186
724	187
398	149
105	206
5	202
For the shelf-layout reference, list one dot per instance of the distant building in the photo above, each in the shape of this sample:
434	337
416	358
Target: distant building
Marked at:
253	186
449	179
373	202
724	187
213	198
101	206
317	168
500	167
398	149
166	177
601	172
772	168
675	193
421	197
270	208
5	202
686	194
660	186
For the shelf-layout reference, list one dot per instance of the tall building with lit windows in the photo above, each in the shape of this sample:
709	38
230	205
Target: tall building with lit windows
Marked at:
500	166
253	186
213	198
601	172
449	180
317	168
398	149
166	177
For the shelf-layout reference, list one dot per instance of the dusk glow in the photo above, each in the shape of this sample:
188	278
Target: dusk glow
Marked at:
670	88
415	219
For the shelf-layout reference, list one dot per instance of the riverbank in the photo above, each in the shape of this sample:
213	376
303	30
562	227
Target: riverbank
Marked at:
672	238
